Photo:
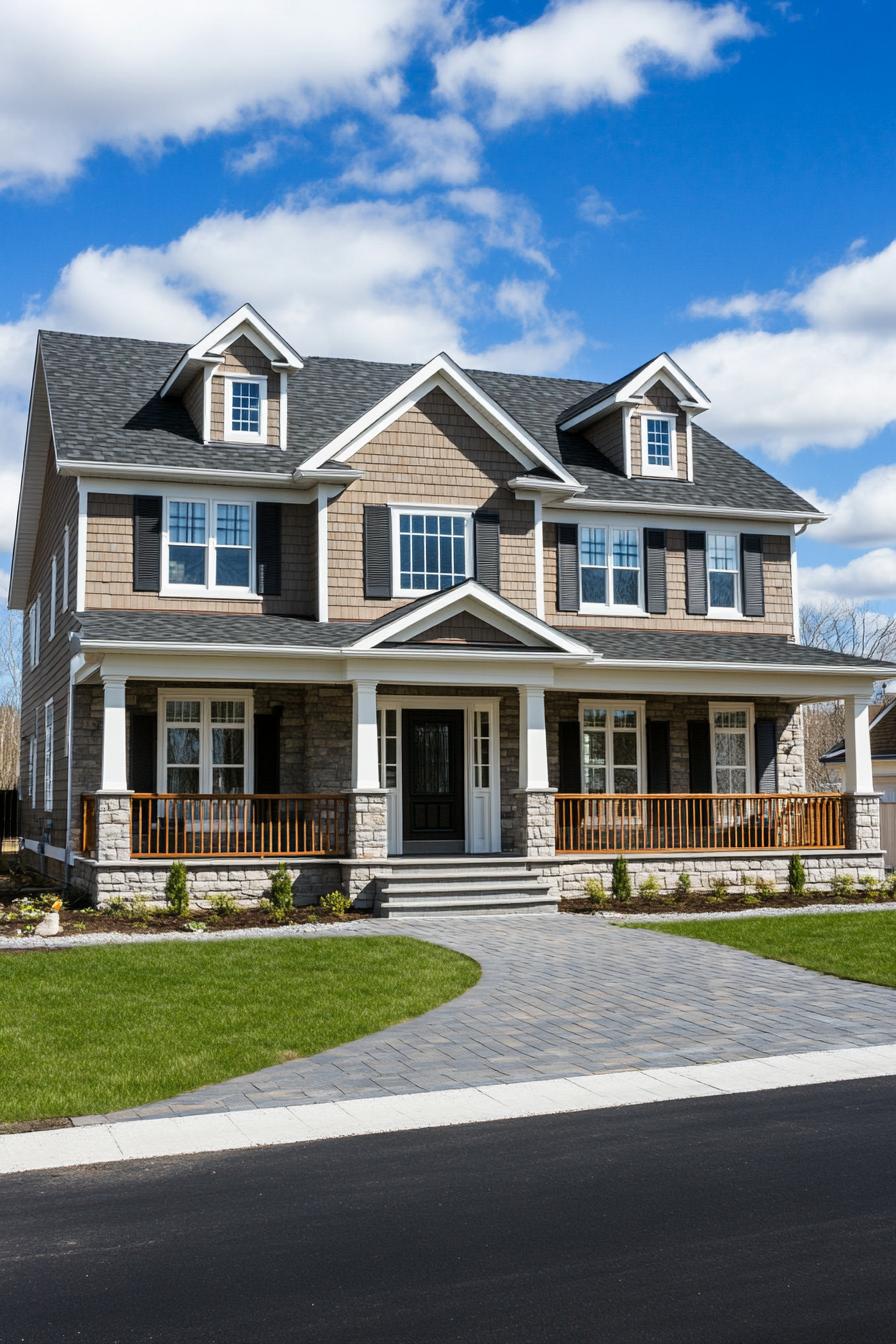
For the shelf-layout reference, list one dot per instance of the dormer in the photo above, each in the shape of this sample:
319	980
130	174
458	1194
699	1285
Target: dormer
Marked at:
233	382
642	422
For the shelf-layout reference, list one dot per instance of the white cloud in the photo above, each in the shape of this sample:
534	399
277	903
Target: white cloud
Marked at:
864	515
375	279
509	222
824	383
868	577
260	154
580	52
416	150
596	209
75	77
748	306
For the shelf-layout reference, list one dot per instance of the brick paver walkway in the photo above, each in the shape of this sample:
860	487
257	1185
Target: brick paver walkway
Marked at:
562	995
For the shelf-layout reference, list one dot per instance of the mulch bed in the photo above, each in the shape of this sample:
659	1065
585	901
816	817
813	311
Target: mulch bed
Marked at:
74	922
704	903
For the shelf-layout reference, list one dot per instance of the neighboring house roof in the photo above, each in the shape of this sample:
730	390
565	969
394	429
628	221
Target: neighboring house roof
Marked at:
290	632
107	410
883	736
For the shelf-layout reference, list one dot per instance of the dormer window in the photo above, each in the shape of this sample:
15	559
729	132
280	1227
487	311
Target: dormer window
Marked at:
245	408
658	445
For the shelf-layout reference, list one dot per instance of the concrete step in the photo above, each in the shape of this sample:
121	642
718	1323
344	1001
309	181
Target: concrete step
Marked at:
481	887
409	906
457	878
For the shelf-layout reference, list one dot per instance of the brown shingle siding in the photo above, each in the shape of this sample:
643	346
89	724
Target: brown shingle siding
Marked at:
244	357
659	398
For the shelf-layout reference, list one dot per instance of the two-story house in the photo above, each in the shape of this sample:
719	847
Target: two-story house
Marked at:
434	635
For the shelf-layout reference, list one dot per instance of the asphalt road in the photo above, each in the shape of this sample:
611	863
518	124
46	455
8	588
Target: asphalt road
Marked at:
768	1217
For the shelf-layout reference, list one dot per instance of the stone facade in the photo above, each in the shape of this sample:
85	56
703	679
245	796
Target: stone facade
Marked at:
535	822
863	821
367	829
244	879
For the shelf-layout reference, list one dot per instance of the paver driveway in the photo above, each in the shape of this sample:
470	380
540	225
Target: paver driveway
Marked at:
563	995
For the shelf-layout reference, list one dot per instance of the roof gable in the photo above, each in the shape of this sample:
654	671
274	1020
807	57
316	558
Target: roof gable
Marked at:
631	386
247	323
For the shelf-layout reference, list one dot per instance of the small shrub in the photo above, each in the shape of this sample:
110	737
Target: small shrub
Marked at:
138	909
177	895
195	925
888	890
281	892
765	889
312	917
621	882
842	887
870	886
117	907
222	904
595	891
796	876
752	899
650	889
683	886
718	888
336	903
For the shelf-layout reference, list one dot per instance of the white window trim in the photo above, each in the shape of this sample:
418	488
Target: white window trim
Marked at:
725	613
452	511
32	764
49	747
54	579
63	605
34	633
613	608
208	589
609	705
205	696
723	706
246	436
646	468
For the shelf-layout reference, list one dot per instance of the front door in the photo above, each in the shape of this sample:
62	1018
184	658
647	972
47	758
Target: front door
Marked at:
433	778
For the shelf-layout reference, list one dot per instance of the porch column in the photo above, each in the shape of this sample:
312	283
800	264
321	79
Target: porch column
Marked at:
368	828
861	802
113	840
534	797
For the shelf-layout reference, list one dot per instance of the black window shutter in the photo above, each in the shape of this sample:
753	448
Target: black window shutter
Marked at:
147	543
659	778
751	574
699	757
268	548
142	753
267	753
695	572
569	750
567	567
377	551
487	548
766	734
655	571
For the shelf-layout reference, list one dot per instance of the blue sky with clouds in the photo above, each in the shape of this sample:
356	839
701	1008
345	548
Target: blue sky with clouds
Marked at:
563	189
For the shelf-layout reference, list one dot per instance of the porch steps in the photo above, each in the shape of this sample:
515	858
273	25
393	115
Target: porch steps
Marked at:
448	887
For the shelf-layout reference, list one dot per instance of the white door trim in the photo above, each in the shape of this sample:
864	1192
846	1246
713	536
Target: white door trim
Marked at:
469	704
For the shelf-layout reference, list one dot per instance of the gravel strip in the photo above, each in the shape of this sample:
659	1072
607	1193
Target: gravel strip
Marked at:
774	911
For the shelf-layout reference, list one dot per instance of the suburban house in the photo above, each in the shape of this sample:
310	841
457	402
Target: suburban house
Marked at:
434	635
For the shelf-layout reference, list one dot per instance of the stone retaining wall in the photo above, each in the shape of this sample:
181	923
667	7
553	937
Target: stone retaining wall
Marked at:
245	879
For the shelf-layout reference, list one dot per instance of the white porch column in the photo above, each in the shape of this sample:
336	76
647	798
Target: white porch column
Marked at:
365	751
859	776
115	750
533	739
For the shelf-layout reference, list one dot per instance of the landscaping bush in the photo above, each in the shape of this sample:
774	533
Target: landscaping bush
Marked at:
796	876
281	892
870	886
595	891
718	891
650	889
842	887
177	895
621	882
765	888
222	904
683	886
336	903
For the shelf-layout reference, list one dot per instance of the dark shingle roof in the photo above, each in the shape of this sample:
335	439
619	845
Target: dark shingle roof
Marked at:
883	736
104	394
671	646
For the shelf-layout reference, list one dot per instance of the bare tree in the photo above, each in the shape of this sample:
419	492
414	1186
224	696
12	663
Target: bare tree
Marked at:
851	628
10	696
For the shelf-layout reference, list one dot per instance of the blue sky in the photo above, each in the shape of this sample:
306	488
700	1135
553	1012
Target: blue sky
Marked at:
563	189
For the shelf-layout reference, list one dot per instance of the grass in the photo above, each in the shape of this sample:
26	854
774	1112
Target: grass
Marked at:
854	947
95	1029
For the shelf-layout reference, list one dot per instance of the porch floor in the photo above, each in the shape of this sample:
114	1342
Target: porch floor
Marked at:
562	996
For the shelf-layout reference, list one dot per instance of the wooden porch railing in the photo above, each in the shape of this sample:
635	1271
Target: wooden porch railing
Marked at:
651	823
257	825
88	825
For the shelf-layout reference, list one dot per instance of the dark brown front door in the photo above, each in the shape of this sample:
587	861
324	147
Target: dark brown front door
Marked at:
433	777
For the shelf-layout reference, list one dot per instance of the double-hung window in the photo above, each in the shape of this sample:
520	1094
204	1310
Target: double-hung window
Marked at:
658	449
48	756
209	547
34	633
245	408
32	762
205	745
610	567
611	747
431	549
53	582
731	728
723	572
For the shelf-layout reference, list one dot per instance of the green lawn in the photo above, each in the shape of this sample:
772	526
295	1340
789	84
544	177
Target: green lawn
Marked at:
102	1028
855	947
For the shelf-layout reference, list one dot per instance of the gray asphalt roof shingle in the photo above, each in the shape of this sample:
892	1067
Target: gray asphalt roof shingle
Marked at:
104	394
673	646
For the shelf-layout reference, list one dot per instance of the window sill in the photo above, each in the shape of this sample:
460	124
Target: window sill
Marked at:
725	615
591	609
220	594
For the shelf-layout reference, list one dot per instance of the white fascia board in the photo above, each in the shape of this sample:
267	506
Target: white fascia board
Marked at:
482	601
117	471
560	512
219	338
802	685
524	487
328	475
694	398
222	486
442	372
38	430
